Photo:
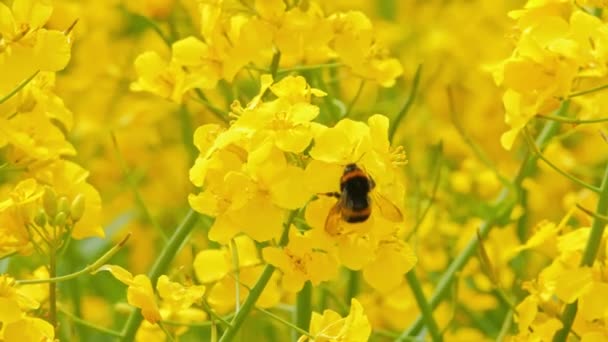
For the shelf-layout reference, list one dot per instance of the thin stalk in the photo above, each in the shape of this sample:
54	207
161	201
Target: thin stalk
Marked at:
237	275
593	245
431	199
309	67
342	308
18	87
89	269
506	326
160	266
257	289
209	310
504	201
284	322
187	133
53	285
303	308
588	91
139	199
352	286
592	214
214	317
423	305
274	64
202	99
88	324
355	98
167	332
407	105
152	24
571	120
539	154
477	150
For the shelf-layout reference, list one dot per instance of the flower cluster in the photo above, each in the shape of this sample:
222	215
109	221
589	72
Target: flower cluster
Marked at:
234	37
562	282
48	197
274	159
17	305
560	53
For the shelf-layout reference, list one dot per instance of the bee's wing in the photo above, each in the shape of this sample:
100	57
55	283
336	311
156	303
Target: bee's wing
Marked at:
387	208
334	217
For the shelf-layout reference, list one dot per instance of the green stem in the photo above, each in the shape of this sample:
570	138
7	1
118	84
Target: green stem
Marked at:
477	150
18	88
188	133
303	308
167	332
257	289
432	197
139	199
352	286
592	214
88	324
237	275
151	23
539	154
355	98
89	269
342	308
214	316
593	245
53	285
282	321
504	200
571	120
310	67
220	114
588	91
209	310
423	305
506	326
407	105
160	266
274	64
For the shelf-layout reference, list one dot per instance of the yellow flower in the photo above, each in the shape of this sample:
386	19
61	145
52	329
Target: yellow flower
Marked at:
15	213
330	327
393	259
215	268
14	303
287	120
26	47
139	294
29	329
155	75
70	180
177	295
303	35
301	261
248	180
177	301
355	43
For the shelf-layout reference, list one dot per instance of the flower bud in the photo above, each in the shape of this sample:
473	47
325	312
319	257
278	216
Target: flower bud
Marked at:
63	205
40	218
77	207
60	219
49	201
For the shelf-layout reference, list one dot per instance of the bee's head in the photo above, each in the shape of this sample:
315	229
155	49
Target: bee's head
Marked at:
350	168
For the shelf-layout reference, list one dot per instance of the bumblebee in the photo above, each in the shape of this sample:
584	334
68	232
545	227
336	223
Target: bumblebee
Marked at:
355	200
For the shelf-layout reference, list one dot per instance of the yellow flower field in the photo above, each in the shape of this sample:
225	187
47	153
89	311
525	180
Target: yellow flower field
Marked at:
303	170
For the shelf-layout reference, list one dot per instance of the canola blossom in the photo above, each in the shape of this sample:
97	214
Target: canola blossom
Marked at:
303	170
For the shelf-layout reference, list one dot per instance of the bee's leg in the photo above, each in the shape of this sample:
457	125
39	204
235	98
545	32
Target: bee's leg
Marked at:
330	194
